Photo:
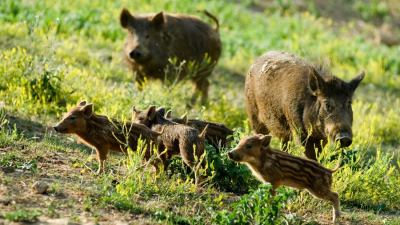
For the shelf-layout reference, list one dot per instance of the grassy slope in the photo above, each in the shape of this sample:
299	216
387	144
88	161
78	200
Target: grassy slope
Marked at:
80	43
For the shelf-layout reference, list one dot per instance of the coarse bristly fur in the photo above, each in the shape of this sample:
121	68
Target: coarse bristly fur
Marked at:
178	139
217	134
154	39
280	168
289	97
105	134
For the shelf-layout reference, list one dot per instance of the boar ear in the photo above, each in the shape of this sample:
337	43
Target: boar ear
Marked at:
356	81
315	83
158	20
134	110
87	110
184	118
161	111
265	140
82	103
151	112
125	18
202	135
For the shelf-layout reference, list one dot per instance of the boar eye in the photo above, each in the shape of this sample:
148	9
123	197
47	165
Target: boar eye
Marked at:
72	118
348	104
248	146
147	36
328	106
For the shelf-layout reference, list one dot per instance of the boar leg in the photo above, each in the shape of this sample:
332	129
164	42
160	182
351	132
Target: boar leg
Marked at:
258	126
201	86
332	197
158	164
273	189
187	154
310	145
101	158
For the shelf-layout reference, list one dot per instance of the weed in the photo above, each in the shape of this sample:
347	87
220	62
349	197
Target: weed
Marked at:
23	215
257	207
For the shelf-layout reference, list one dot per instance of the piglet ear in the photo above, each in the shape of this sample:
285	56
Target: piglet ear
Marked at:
202	135
265	140
356	81
168	114
87	110
158	20
161	111
82	103
135	111
151	112
126	18
184	118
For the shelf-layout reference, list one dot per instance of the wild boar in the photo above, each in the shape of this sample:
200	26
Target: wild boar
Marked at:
280	168
178	139
217	134
290	97
105	134
155	39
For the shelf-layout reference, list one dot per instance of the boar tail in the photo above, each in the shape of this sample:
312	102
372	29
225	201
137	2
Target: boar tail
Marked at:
337	166
203	133
213	18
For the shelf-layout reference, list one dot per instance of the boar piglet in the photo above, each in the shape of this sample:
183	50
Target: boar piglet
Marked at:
280	168
105	134
217	134
290	97
178	139
154	39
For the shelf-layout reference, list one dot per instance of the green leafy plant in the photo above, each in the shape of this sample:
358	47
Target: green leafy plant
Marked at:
23	215
257	207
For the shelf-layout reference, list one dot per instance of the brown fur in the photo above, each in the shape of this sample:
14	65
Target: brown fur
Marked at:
178	139
217	134
280	168
105	134
155	38
286	95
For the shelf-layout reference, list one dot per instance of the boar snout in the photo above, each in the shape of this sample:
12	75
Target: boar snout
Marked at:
59	129
233	155
340	133
136	54
344	138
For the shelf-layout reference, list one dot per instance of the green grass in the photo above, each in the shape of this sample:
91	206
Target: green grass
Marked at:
54	54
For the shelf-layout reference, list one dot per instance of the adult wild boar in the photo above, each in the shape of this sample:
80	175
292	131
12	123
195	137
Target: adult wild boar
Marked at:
288	96
156	39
